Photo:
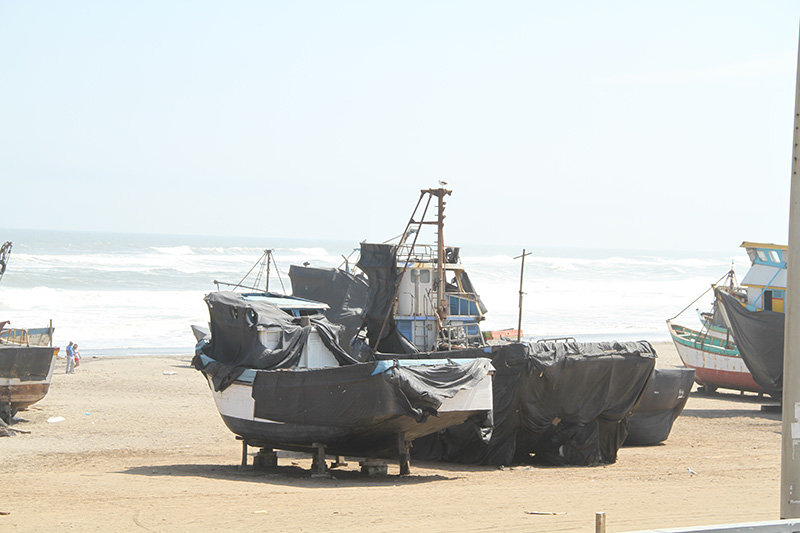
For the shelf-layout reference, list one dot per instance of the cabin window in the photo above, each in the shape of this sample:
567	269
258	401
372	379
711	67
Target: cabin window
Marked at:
774	257
778	294
463	306
762	256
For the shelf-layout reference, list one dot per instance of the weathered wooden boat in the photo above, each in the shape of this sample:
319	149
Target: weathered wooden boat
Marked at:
283	382
27	337
756	321
27	358
499	335
26	369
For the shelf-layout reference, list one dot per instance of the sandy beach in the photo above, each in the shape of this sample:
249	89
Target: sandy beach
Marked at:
142	447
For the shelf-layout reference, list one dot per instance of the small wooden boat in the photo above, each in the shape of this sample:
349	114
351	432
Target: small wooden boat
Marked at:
501	334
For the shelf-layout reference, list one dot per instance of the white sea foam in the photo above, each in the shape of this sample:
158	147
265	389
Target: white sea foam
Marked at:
140	294
174	250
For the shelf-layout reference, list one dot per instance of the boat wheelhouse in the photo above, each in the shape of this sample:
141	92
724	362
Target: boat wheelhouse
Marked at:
420	317
765	282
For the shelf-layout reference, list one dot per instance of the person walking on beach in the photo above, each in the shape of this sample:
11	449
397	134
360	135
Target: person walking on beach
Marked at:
76	355
71	358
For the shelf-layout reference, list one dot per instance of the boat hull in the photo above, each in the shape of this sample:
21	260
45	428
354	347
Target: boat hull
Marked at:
356	427
715	365
663	401
25	374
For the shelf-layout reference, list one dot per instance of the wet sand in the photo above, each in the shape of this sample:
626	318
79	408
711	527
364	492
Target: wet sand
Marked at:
142	447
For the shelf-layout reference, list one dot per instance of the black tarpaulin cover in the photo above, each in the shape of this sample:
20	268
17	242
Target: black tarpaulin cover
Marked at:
357	395
379	263
564	403
662	403
344	292
235	342
759	339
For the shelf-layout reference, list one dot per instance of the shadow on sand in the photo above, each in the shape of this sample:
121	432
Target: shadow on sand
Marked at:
293	475
735	405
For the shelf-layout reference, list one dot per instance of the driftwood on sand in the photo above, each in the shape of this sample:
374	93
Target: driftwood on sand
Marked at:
8	431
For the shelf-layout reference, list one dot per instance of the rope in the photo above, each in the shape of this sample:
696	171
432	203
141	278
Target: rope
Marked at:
730	272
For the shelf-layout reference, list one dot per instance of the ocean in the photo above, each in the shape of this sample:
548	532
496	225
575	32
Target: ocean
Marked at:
122	294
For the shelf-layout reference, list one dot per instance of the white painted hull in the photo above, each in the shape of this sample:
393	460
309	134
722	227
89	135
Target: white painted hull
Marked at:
237	408
237	400
712	368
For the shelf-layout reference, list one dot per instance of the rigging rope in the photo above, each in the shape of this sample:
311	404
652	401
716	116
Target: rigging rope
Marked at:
730	272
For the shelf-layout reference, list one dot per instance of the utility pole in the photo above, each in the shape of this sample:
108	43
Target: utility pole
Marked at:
790	425
521	275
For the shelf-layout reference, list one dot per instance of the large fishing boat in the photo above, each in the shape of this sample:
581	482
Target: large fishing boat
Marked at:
419	297
281	381
756	317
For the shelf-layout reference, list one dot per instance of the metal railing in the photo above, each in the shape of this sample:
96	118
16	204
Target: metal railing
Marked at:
772	526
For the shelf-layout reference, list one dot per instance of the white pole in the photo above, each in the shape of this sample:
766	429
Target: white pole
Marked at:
790	427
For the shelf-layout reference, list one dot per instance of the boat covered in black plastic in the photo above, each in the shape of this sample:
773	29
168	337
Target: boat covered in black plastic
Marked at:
759	338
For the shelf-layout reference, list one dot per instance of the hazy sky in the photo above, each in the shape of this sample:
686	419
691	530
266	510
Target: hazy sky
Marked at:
656	125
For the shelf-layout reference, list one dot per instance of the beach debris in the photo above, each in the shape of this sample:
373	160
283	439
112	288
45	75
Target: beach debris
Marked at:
5	513
168	373
55	419
260	512
545	512
87	413
692	472
8	431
